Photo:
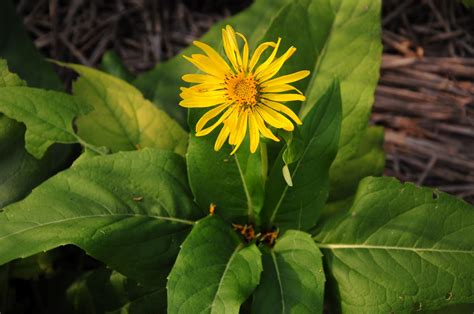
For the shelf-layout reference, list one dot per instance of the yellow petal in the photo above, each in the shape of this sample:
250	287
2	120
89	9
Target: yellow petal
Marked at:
223	135
212	54
233	44
275	119
210	115
284	97
254	133
201	78
191	93
241	132
279	88
263	128
276	65
258	52
231	123
282	108
205	64
208	130
206	87
245	53
290	78
270	59
202	102
234	126
228	49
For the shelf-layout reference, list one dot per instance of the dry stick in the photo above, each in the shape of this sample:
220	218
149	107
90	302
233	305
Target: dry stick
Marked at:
427	170
395	13
74	51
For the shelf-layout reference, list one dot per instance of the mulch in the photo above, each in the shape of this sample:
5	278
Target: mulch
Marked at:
425	98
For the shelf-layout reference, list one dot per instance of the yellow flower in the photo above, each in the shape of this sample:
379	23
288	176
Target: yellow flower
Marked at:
244	92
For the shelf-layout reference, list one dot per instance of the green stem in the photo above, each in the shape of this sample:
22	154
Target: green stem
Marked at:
89	146
246	190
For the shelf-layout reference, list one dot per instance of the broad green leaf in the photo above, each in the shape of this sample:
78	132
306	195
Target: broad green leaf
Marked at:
107	291
19	171
163	82
368	161
122	119
293	277
346	175
7	78
48	116
400	248
335	39
214	272
234	183
347	40
299	206
130	210
19	50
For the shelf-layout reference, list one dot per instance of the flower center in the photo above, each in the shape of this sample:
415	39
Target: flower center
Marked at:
242	89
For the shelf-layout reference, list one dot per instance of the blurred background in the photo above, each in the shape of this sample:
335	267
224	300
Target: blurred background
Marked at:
425	98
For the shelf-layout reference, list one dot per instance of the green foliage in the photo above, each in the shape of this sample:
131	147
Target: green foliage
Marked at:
19	171
369	160
293	278
112	64
405	248
107	291
48	116
298	206
132	202
22	56
233	183
122	119
347	41
8	79
212	276
130	210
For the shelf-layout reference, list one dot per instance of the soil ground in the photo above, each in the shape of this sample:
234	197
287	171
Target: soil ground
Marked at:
425	98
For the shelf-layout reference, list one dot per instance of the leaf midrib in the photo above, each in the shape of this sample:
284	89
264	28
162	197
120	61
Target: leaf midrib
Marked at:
246	190
172	219
104	98
285	190
236	251
339	246
280	284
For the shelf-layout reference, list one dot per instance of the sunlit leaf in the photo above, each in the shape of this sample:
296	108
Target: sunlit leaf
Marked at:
299	206
214	272
130	210
293	278
400	248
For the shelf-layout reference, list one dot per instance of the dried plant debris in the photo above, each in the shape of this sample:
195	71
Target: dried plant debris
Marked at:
142	32
425	98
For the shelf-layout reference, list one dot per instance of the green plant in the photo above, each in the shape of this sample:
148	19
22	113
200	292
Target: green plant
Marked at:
186	229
